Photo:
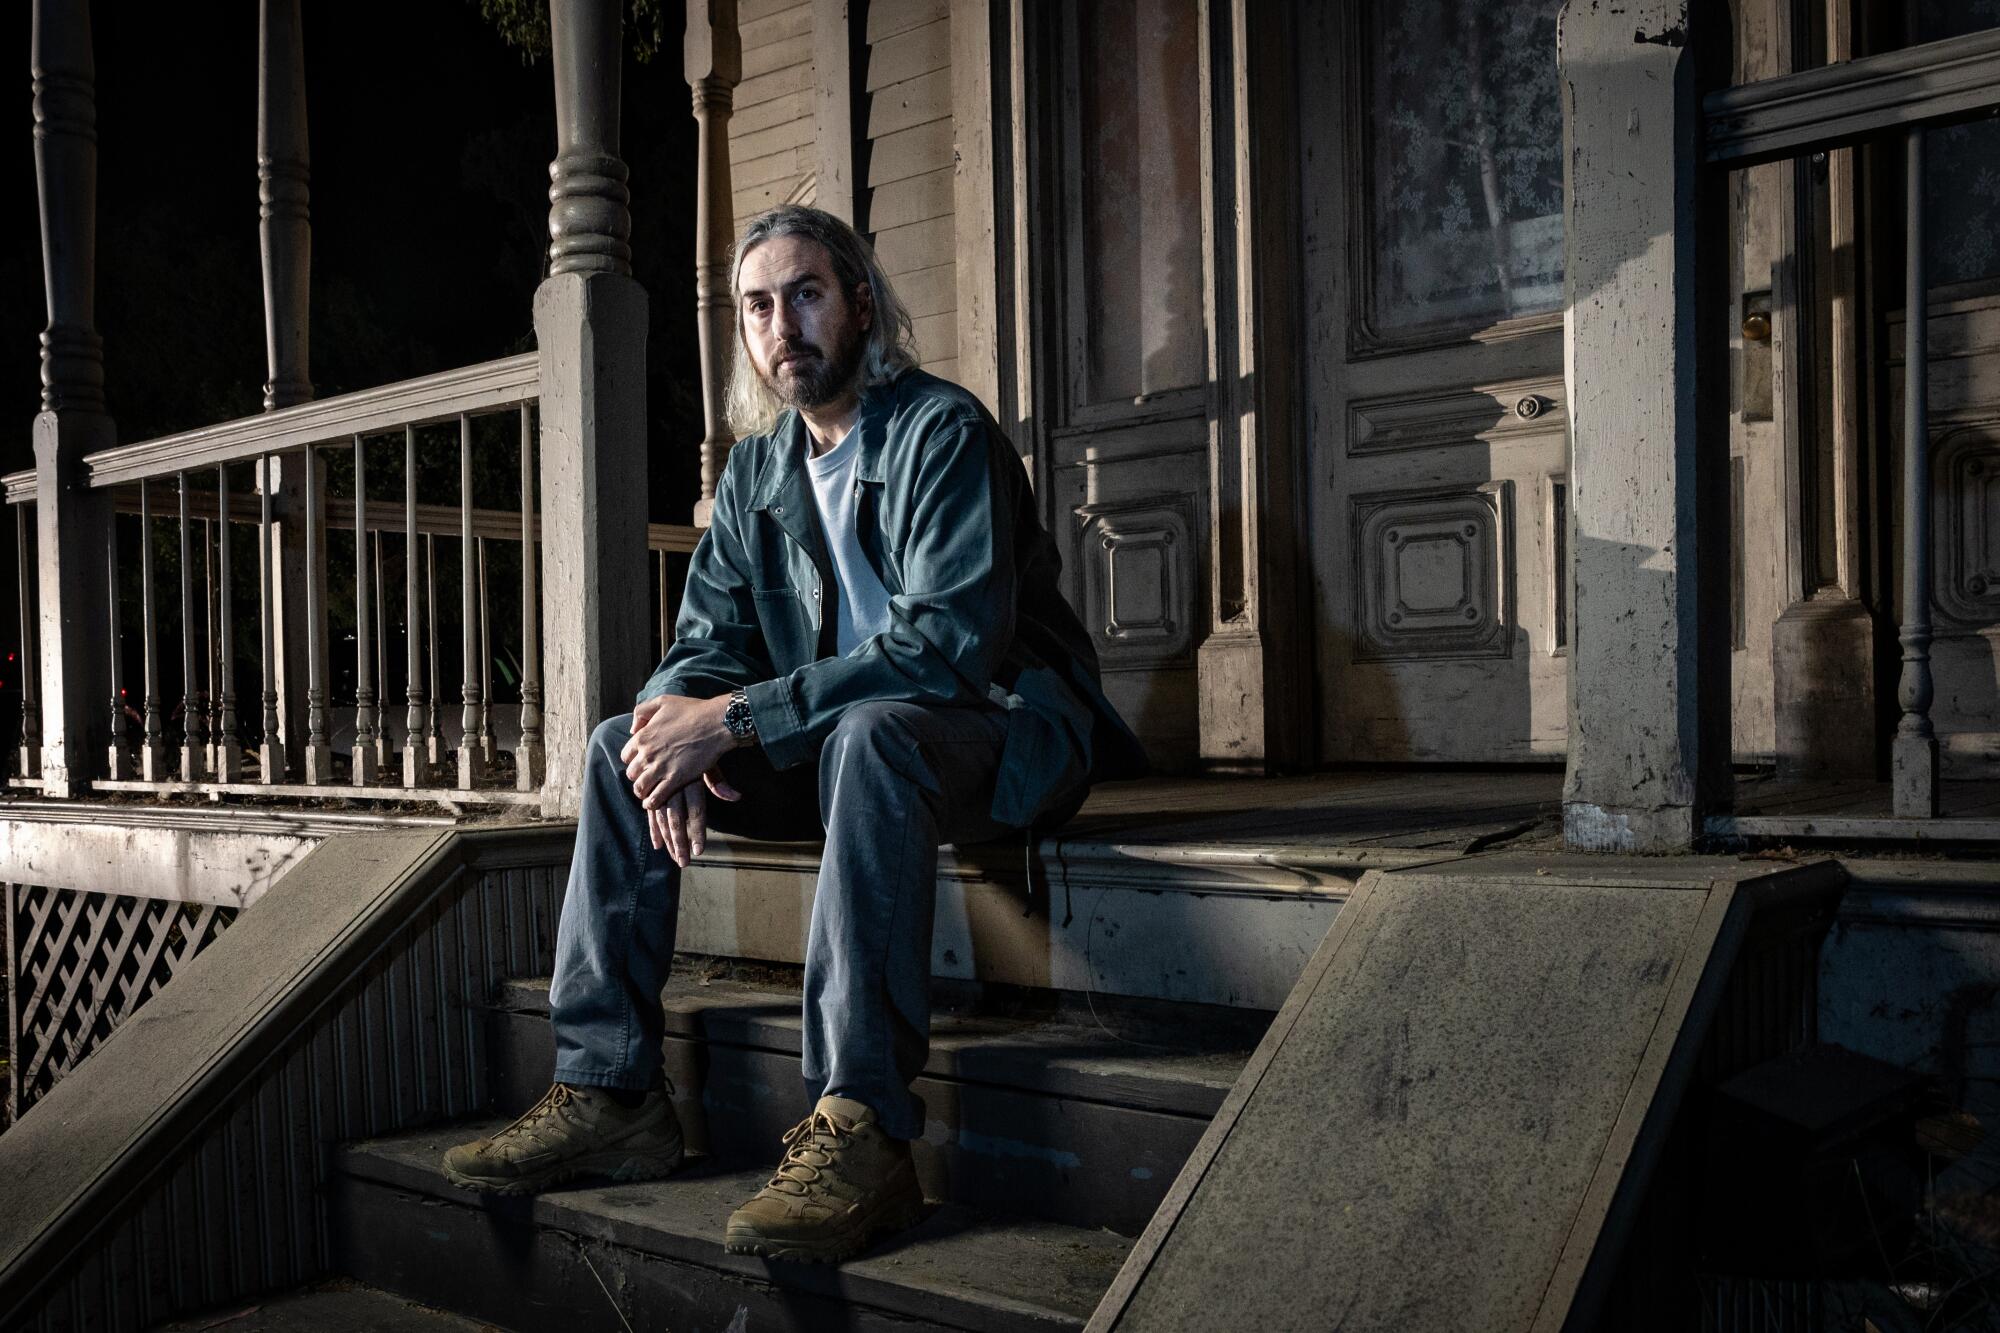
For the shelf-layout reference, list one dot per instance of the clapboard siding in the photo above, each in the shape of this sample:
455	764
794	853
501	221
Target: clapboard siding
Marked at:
912	102
793	22
886	18
909	54
918	246
789	164
749	13
912	152
929	291
777	111
909	195
915	199
762	143
772	149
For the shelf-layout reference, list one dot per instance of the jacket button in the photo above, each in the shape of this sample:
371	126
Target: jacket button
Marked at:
815	594
779	510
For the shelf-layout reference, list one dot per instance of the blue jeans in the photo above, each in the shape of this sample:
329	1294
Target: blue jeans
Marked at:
894	782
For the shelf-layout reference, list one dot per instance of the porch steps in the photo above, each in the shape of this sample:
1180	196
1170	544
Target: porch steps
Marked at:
650	1255
1048	1114
1053	1139
337	1306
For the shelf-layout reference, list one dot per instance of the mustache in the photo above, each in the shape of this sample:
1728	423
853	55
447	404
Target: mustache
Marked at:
794	351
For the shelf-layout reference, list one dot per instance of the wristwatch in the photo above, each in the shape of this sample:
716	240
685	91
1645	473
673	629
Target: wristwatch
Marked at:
737	718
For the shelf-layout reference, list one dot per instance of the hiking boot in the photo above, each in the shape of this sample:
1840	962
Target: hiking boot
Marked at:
572	1131
843	1182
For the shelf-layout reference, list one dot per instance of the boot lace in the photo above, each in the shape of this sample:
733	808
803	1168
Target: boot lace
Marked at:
810	1146
558	1096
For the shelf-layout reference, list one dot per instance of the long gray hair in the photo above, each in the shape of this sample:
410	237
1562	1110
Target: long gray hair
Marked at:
753	408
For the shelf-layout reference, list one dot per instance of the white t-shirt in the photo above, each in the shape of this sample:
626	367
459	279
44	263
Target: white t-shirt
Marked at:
863	609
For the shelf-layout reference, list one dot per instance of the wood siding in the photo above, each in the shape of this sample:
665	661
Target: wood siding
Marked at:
907	202
771	133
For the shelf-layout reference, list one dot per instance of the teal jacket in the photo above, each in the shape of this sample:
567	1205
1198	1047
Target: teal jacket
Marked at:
949	524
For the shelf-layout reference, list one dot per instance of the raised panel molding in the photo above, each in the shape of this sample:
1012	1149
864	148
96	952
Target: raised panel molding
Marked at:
1392	425
1431	575
1966	587
1138	579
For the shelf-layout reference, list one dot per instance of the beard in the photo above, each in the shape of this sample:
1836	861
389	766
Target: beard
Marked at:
811	377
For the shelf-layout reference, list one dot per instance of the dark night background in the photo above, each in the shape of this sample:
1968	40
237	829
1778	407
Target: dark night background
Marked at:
430	138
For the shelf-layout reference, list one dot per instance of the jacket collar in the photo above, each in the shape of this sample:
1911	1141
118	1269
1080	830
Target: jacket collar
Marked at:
783	480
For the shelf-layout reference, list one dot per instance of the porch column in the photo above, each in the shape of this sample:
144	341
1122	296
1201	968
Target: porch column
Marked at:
284	230
590	323
1252	692
1648	382
1823	644
70	517
713	52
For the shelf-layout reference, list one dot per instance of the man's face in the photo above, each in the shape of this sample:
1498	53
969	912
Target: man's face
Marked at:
804	334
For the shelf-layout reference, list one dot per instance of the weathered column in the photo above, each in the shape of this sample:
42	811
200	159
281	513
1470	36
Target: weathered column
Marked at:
713	52
1649	706
1914	752
1823	643
1253	714
70	518
284	232
590	324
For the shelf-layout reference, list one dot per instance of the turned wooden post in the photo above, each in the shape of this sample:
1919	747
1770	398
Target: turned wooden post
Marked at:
590	327
284	230
70	519
1914	753
713	52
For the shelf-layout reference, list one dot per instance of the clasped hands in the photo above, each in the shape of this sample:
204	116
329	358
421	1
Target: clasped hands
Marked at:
670	761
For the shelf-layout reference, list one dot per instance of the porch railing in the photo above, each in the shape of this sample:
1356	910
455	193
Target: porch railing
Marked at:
1883	98
285	619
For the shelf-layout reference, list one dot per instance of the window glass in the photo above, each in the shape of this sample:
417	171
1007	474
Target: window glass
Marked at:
1139	185
1466	162
1961	165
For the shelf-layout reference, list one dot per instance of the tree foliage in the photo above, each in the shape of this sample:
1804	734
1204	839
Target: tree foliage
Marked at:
524	25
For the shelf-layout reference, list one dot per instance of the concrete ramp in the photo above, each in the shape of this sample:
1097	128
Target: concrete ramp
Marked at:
1452	1121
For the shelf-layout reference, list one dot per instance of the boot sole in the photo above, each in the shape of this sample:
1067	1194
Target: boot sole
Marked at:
899	1217
620	1167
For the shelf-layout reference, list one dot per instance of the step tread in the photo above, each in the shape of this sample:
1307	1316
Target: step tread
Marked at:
1062	1058
974	1268
338	1306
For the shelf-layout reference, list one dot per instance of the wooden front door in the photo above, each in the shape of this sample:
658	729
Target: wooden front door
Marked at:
1431	138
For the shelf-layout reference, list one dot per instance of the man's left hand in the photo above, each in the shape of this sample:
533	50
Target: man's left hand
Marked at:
674	746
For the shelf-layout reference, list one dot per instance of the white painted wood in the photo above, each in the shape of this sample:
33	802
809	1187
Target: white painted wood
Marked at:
188	860
1462	436
427	398
712	55
1914	752
530	761
830	111
976	196
318	750
591	330
1648	742
228	766
473	761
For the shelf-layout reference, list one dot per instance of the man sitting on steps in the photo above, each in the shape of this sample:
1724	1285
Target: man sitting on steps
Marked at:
872	646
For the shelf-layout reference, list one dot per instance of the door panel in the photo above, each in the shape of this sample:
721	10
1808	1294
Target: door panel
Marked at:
1433	240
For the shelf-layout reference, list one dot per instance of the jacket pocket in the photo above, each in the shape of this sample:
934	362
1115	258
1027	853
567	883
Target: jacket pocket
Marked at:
788	629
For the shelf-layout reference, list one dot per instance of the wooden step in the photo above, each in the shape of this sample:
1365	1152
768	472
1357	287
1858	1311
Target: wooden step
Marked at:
341	1305
1042	1116
650	1255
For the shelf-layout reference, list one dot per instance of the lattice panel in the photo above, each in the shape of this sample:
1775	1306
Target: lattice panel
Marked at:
78	965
